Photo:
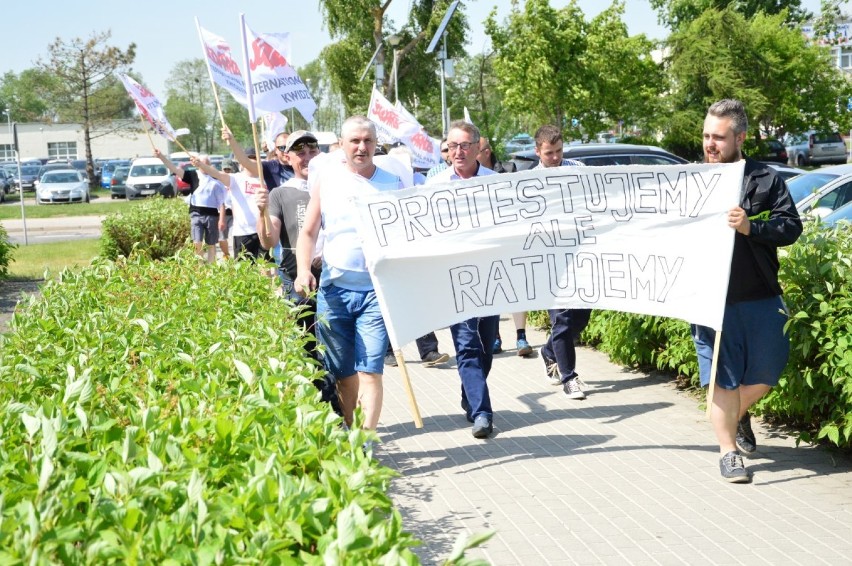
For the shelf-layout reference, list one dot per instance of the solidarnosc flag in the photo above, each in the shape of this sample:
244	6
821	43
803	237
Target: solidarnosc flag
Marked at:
275	123
391	125
273	84
425	150
149	106
220	63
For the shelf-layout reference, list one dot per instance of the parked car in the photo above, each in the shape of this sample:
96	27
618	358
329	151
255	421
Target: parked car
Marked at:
6	182
108	168
771	151
520	142
49	167
604	154
825	190
148	176
117	187
842	214
813	148
785	171
62	185
29	175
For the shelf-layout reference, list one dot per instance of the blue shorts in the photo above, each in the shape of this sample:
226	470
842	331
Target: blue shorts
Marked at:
352	330
754	348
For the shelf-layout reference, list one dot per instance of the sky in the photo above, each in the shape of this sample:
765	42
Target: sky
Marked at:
164	31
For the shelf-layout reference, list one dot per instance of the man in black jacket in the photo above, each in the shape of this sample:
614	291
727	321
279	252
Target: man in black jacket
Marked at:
754	349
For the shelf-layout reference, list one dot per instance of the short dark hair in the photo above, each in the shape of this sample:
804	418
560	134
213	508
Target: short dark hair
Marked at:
547	134
466	127
733	109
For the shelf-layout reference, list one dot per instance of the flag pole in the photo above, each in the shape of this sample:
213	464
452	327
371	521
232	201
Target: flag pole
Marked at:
714	367
406	381
142	119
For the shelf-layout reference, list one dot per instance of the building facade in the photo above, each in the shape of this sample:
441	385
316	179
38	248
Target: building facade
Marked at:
123	140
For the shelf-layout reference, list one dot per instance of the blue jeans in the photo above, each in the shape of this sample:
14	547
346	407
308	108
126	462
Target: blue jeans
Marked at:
474	343
565	325
352	330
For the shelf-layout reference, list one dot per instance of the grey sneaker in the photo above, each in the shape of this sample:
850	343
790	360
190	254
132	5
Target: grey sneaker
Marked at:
572	389
745	436
482	427
733	469
551	368
390	360
435	358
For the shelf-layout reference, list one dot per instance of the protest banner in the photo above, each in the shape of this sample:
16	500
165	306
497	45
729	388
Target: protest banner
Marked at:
391	125
275	123
149	107
221	66
425	150
643	239
273	83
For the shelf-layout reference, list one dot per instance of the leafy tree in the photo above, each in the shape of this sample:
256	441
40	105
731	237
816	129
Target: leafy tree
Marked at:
191	104
675	14
786	83
329	114
28	96
358	26
554	67
86	89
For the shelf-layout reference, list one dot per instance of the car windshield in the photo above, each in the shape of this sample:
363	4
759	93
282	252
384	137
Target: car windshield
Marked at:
60	177
803	185
148	171
29	170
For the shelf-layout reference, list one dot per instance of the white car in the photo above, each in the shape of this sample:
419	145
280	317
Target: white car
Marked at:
822	191
148	177
62	185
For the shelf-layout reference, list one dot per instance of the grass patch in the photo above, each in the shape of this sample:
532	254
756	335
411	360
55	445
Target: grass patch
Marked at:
94	208
30	262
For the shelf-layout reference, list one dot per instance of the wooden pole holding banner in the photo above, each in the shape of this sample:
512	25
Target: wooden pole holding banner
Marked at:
714	367
148	133
406	381
264	214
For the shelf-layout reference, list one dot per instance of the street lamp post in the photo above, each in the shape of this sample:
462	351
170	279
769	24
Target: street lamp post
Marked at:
20	177
394	41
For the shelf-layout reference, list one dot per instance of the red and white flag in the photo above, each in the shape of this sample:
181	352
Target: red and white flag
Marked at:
391	125
221	65
149	106
425	150
273	84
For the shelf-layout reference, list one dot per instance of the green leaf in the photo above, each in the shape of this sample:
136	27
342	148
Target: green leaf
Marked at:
245	371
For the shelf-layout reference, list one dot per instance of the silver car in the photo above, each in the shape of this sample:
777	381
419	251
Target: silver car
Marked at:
820	192
62	185
813	148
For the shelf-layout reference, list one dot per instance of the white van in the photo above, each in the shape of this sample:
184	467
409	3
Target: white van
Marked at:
148	177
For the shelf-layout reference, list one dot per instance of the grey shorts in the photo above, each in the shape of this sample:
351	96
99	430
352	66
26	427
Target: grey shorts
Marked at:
204	228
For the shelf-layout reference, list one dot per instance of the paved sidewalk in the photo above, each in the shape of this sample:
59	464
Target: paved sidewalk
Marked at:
628	476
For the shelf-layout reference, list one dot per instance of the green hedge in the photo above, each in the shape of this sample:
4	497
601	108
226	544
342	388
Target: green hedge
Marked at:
163	413
815	391
157	227
6	248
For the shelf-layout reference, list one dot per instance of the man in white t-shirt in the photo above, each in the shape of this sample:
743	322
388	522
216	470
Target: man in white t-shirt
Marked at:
350	322
242	187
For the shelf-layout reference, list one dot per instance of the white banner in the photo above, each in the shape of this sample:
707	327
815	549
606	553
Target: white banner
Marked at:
221	65
643	239
275	123
425	150
274	83
149	106
391	125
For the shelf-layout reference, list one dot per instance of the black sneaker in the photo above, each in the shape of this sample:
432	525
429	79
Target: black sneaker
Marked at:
434	358
572	389
733	469
390	360
482	427
745	436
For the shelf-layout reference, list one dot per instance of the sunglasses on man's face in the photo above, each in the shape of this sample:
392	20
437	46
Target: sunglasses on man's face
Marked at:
300	146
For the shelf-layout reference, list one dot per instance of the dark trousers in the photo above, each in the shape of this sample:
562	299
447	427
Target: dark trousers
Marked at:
565	326
249	246
425	344
474	343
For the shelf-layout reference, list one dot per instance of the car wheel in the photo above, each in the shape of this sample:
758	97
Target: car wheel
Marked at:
87	198
800	160
2	196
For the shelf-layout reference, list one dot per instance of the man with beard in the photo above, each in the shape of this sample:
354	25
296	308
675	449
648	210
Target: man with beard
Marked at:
753	349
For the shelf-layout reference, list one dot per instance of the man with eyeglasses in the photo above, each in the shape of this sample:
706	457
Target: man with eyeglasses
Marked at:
445	160
275	171
472	338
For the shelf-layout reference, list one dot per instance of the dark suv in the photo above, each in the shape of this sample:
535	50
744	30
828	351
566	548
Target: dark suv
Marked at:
603	154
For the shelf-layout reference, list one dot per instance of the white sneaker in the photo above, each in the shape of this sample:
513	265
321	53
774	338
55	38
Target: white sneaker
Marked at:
551	368
572	389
